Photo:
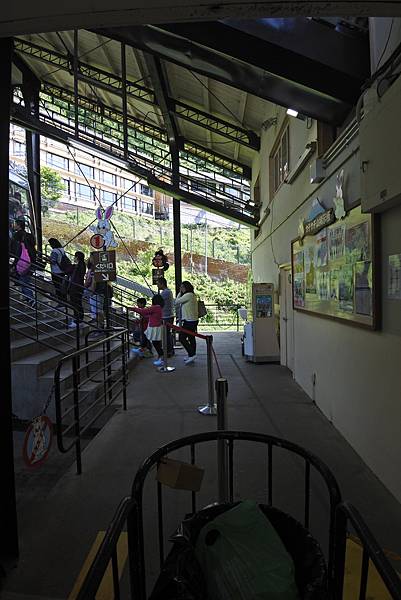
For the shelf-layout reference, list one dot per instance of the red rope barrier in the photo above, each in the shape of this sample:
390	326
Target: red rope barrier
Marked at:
217	362
187	331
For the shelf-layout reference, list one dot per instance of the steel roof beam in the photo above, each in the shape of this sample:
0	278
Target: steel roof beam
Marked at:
113	83
245	45
224	206
157	78
231	57
152	131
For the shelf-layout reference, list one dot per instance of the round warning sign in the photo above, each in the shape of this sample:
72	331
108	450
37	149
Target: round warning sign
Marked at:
97	241
37	442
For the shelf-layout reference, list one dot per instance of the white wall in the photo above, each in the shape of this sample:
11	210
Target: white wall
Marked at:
385	35
358	372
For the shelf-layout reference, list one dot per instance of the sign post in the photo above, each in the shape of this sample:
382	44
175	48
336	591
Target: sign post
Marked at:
104	265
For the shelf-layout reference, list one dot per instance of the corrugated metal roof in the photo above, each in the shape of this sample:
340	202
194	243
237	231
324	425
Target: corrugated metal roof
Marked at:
211	96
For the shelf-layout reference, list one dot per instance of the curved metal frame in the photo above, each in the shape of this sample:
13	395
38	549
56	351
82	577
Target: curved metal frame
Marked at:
135	516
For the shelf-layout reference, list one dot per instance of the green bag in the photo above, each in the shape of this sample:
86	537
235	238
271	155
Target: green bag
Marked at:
243	558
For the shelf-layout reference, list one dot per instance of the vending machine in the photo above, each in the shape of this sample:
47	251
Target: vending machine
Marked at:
260	336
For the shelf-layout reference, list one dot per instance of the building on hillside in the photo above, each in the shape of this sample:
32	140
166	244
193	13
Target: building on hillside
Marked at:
88	178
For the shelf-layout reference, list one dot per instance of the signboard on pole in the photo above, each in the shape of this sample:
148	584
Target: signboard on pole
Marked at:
156	274
104	265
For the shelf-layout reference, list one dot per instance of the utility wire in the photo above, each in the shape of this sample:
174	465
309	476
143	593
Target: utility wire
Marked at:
216	97
100	204
386	44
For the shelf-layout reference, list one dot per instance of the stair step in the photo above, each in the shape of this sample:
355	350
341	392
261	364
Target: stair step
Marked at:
24	347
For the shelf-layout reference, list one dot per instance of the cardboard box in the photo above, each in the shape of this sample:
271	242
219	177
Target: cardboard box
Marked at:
179	475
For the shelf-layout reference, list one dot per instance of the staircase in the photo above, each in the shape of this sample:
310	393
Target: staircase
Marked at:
40	337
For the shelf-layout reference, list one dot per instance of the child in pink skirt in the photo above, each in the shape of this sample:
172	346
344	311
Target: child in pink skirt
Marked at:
154	330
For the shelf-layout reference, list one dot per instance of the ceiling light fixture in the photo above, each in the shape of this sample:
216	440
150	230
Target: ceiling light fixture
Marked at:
292	112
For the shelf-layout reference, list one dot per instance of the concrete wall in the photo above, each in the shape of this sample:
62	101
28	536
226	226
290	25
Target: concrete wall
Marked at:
358	374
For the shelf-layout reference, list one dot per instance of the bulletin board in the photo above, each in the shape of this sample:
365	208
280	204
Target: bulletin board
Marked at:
333	271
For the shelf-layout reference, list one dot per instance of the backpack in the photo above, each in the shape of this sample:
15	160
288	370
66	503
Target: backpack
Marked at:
202	310
24	262
64	263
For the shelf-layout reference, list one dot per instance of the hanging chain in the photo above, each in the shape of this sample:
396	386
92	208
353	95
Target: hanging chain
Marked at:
49	399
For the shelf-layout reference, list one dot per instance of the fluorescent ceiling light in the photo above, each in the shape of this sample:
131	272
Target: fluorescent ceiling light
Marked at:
292	112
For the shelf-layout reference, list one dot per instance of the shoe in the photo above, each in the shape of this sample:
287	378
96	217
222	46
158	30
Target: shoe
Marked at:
72	325
189	360
137	351
31	303
159	362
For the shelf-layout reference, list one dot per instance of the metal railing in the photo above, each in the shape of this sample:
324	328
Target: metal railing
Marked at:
130	514
221	317
115	313
42	321
130	511
371	552
86	383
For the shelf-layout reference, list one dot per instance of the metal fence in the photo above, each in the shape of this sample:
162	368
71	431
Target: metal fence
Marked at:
86	383
222	317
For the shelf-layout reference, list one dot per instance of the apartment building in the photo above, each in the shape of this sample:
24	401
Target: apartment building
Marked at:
89	179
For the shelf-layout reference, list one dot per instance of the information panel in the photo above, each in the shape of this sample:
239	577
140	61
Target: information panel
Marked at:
333	271
104	265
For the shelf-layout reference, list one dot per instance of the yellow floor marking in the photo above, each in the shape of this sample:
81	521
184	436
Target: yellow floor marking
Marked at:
106	587
376	589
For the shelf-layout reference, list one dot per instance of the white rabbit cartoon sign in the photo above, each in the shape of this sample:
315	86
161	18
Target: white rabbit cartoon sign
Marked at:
104	237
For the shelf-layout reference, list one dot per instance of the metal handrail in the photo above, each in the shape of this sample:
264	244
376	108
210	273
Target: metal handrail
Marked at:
129	515
107	552
345	513
131	509
122	319
63	312
108	383
138	569
117	287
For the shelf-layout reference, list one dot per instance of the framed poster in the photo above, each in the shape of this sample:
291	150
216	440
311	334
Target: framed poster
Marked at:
334	269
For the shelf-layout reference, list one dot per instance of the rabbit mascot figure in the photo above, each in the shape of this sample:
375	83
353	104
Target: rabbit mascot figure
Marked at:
103	227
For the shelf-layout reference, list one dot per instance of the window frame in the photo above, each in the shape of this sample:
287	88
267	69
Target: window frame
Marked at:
279	165
78	185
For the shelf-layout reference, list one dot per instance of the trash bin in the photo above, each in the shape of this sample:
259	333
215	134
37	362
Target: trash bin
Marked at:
181	577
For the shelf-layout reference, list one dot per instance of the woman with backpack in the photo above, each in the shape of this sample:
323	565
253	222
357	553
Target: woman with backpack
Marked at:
188	303
61	267
23	248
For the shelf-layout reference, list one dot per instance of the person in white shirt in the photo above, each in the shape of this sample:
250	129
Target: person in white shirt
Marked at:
188	302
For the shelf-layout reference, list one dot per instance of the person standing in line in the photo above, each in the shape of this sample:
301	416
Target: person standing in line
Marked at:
188	302
24	251
168	312
154	330
57	259
88	283
141	325
76	288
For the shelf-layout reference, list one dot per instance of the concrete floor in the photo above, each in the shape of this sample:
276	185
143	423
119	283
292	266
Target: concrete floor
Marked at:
58	531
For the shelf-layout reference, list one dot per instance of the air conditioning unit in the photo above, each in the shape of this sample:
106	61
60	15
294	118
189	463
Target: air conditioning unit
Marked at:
380	151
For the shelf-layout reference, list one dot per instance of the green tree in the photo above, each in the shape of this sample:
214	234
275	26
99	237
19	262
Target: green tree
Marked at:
51	187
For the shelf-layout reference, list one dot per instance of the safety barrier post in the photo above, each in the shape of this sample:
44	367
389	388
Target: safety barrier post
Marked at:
210	408
222	448
165	368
